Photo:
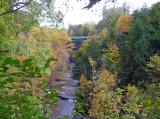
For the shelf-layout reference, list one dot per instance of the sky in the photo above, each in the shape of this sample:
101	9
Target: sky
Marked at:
74	14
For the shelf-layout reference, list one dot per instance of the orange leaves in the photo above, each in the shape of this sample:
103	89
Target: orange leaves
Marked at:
123	24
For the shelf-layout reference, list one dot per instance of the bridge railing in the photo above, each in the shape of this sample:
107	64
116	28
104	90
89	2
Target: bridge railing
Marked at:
77	40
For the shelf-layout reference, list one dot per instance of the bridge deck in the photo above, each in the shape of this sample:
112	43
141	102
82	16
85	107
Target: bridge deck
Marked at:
78	40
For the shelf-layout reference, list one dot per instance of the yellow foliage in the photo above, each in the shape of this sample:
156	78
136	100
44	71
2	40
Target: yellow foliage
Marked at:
112	53
102	96
123	24
84	83
86	87
35	30
106	81
111	57
43	43
104	33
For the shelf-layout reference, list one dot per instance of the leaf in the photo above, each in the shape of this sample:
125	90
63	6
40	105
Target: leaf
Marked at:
81	111
82	101
12	62
27	62
48	61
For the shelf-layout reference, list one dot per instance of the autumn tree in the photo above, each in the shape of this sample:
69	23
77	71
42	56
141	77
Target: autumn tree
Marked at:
127	83
25	56
137	48
123	24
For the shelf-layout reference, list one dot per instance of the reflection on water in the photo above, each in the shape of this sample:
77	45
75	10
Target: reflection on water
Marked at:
66	89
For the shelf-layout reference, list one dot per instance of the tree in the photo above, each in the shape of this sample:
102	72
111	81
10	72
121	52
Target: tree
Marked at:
109	23
13	6
25	56
42	10
131	59
86	29
93	2
155	15
153	68
137	48
155	21
123	24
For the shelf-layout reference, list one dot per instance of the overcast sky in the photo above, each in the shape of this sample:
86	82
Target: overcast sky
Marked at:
74	14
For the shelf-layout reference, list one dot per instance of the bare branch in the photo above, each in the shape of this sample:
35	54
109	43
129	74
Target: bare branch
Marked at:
23	4
93	2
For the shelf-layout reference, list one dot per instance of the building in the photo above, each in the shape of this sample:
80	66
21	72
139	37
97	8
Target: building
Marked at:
121	10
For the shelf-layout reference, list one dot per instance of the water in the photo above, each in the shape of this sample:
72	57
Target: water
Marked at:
67	90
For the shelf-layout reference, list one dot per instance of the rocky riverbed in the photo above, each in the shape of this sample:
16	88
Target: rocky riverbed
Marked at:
66	89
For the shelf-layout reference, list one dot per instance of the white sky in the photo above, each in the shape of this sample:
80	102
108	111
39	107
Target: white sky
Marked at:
74	14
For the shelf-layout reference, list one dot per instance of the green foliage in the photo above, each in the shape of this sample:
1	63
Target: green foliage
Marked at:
90	49
111	58
136	48
155	15
102	51
98	48
109	23
153	68
127	103
125	68
80	103
22	95
25	58
155	19
83	97
64	117
82	30
38	10
25	24
81	57
25	68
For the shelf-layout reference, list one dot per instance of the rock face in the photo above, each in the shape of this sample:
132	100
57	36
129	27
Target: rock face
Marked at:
67	90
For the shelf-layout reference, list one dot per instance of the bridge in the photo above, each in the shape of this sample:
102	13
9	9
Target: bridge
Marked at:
78	40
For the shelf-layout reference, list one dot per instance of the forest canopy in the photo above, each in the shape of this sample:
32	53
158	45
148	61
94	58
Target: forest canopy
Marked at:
117	66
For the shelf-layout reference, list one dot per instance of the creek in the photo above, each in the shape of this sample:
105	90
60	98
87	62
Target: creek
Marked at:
66	89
